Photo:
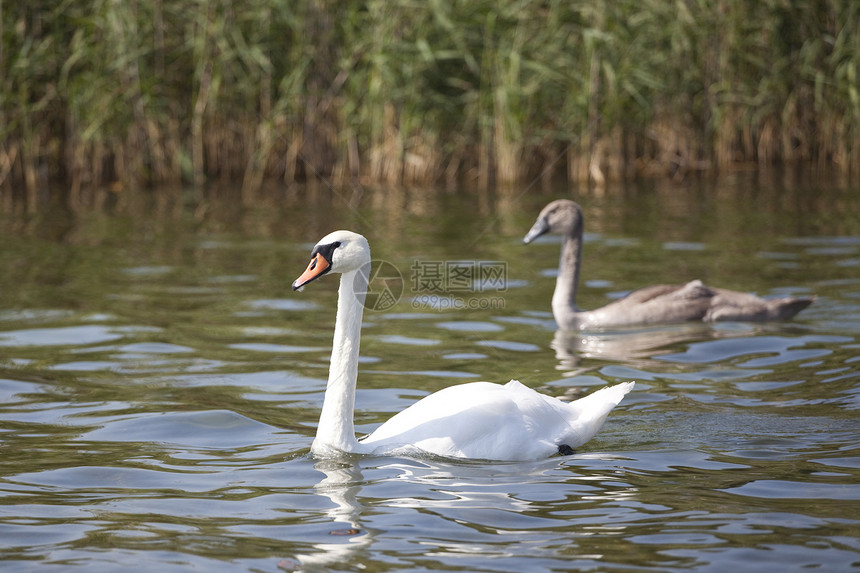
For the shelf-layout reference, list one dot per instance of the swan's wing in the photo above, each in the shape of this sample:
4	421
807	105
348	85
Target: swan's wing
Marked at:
734	305
481	420
656	304
694	301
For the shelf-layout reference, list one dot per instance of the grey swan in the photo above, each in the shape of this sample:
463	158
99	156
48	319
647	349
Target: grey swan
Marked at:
693	301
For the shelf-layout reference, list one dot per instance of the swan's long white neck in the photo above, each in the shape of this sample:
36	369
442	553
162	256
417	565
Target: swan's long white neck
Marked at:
564	298
336	428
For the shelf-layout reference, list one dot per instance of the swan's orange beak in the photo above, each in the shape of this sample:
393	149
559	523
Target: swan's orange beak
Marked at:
316	267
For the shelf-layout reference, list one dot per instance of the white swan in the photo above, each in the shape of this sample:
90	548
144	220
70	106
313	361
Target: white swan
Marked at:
478	420
693	301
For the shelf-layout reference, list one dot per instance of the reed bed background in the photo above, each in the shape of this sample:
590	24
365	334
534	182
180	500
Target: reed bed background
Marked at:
123	94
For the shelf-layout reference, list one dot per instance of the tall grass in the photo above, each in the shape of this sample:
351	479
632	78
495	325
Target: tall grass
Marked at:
126	94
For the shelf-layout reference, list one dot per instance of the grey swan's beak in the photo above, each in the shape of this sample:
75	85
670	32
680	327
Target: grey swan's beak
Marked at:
540	227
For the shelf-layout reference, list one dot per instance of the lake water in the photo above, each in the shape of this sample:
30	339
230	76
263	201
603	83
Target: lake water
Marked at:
160	384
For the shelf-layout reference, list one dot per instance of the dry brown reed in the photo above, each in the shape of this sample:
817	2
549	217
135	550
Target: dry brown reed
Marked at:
120	95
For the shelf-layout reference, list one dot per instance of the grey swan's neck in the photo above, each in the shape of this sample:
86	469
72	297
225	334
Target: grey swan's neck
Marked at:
564	308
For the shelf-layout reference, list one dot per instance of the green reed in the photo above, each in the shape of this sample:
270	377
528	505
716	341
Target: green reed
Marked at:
128	94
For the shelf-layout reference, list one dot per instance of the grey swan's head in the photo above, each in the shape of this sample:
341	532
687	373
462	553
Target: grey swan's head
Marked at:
561	217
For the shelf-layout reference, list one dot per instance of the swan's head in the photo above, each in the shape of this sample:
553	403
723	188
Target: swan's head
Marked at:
339	252
560	217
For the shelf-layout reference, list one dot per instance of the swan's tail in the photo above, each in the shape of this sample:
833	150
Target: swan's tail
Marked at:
588	414
608	397
785	308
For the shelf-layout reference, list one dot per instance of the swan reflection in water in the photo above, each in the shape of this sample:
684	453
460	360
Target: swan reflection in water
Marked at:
641	344
341	485
651	346
444	489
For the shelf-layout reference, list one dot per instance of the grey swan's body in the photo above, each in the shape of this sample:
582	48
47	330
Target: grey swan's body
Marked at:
656	304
